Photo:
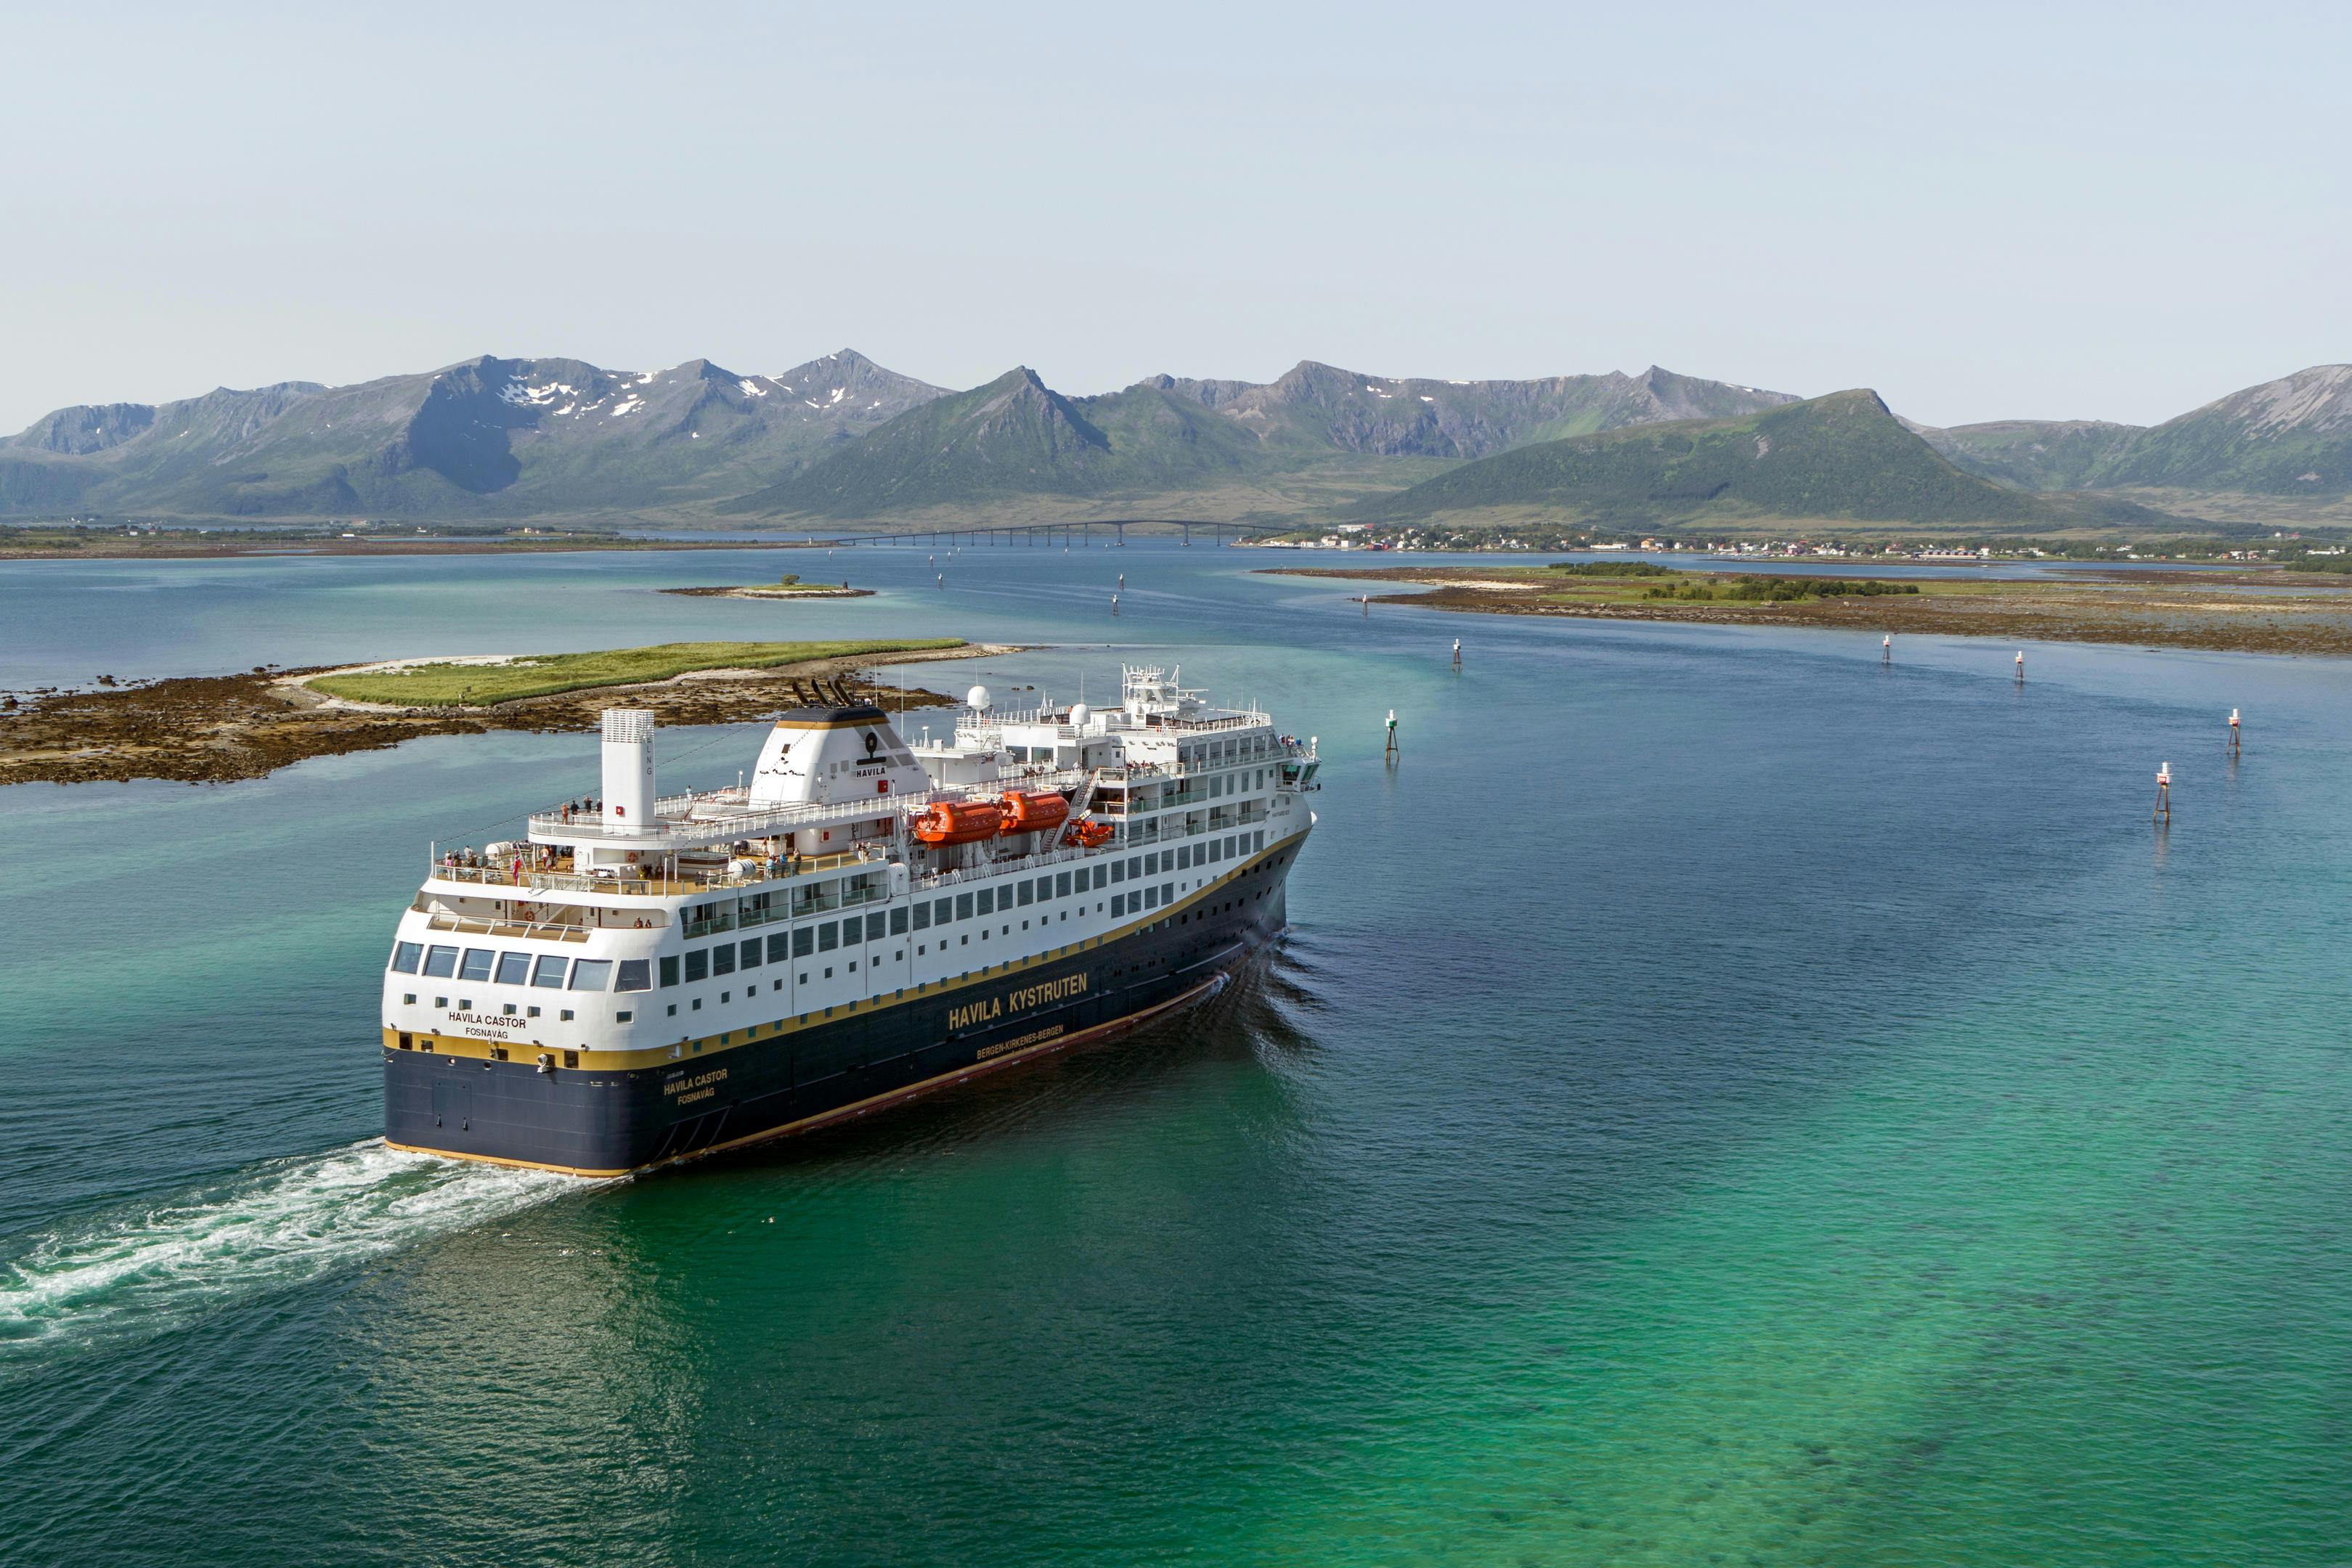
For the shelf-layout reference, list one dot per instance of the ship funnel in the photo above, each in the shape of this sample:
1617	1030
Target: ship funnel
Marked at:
628	771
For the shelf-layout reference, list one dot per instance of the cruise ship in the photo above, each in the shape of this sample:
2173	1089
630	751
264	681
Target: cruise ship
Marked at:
865	918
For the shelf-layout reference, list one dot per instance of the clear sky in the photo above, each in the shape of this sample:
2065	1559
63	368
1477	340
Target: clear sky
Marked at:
2041	212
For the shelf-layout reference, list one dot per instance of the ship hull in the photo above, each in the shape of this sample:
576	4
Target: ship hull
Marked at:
607	1122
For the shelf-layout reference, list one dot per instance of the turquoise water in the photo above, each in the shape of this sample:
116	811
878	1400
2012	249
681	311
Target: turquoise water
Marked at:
1724	1100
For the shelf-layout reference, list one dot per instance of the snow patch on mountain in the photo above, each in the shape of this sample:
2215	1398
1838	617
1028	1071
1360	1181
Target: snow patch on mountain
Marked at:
523	395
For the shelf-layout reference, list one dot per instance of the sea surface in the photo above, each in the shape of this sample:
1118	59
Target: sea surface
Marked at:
1725	1098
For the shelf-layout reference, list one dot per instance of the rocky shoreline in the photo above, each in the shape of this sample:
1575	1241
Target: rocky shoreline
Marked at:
204	729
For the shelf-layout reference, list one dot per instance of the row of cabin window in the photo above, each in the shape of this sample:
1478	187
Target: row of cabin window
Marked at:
1184	857
547	971
829	935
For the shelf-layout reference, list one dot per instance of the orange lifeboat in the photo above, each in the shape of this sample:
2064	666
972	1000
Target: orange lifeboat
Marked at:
1033	811
1088	835
959	821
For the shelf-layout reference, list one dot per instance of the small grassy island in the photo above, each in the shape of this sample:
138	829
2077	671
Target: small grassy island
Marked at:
2259	610
451	683
214	728
789	586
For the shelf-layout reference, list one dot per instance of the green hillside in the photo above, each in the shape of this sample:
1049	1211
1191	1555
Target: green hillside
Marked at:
1844	457
2292	436
2036	454
1012	437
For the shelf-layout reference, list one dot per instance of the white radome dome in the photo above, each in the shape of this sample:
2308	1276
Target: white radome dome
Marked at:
977	699
1079	715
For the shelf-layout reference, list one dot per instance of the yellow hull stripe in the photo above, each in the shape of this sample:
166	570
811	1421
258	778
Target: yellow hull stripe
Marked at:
839	1112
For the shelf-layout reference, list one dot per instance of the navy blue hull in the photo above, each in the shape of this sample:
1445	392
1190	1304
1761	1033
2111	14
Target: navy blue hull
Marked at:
594	1121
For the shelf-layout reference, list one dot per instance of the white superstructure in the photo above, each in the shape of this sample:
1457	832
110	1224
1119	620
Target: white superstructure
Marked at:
633	921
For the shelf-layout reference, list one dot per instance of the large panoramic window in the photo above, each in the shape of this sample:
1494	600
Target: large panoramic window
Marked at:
752	954
549	975
780	947
406	956
477	966
804	940
698	964
636	975
591	974
669	968
514	969
922	916
441	961
828	937
722	958
988	901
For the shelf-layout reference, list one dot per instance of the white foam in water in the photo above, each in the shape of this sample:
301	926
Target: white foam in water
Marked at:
287	1222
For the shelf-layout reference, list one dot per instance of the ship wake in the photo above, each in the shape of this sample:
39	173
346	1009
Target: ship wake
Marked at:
281	1223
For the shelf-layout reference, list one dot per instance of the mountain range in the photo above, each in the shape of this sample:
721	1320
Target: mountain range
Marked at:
843	440
2292	436
491	437
1165	436
1841	458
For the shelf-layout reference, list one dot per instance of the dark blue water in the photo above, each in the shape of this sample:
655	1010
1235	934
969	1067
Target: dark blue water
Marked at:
1724	1099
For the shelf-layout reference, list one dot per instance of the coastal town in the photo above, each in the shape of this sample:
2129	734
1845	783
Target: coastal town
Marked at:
2282	547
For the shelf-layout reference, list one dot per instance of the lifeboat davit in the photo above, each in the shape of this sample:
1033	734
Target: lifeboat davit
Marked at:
959	821
1088	835
1033	811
